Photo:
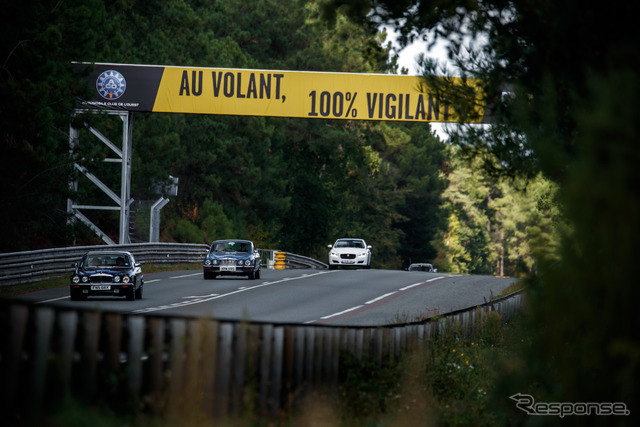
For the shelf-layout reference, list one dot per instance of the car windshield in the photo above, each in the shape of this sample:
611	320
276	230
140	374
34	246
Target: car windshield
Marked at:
349	244
232	247
106	260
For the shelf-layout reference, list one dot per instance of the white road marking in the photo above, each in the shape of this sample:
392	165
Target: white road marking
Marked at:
342	312
50	300
381	297
421	283
186	275
217	296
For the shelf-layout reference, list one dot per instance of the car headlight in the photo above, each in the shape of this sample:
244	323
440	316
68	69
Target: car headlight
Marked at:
126	279
75	279
333	254
362	255
207	262
116	279
215	262
247	262
85	279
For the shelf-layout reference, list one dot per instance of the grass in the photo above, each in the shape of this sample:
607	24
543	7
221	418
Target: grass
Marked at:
453	380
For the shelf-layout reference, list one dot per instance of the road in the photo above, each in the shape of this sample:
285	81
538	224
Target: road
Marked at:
335	297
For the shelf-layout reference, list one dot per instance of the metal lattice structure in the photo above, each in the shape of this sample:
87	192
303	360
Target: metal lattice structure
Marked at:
122	201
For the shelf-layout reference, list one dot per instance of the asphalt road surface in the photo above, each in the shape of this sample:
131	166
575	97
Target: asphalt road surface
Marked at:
335	297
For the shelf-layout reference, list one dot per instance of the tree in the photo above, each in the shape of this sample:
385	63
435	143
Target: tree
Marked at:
575	119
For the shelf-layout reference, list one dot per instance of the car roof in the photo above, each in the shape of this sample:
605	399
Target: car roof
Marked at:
232	240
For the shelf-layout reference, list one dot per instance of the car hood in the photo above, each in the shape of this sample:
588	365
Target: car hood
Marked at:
229	255
348	250
105	270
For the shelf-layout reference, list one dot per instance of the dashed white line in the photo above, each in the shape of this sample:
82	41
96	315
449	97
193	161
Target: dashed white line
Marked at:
421	283
50	300
216	296
185	275
342	312
381	297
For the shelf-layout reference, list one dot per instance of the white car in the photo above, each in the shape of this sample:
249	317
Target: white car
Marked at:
348	252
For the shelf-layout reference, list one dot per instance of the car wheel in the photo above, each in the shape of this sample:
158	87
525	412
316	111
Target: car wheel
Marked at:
252	275
131	295
258	274
332	267
139	291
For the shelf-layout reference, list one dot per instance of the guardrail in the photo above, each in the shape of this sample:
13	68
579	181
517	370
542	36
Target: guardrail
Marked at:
299	261
177	367
31	266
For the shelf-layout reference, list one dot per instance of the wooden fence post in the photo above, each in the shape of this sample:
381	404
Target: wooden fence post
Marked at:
68	326
12	351
136	327
44	318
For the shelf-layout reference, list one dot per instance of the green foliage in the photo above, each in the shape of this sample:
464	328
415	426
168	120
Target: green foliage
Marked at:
288	183
574	119
366	388
497	225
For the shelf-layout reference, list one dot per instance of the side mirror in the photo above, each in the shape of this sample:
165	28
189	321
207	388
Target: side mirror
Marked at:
368	246
329	246
137	264
74	264
257	254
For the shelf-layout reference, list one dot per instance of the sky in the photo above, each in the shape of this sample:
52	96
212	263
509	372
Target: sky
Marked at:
407	59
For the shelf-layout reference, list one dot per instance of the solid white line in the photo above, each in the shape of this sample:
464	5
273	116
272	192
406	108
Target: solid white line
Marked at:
380	297
342	312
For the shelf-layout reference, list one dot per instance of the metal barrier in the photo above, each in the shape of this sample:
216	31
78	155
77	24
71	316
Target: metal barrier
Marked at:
180	366
298	261
32	266
28	267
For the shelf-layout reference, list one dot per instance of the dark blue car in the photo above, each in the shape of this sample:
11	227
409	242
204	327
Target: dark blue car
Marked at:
107	273
232	258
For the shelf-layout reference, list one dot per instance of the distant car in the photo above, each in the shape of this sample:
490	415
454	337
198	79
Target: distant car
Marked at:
422	266
349	252
232	258
110	273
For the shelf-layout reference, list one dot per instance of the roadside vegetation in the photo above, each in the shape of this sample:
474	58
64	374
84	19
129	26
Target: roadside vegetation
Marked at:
454	380
548	192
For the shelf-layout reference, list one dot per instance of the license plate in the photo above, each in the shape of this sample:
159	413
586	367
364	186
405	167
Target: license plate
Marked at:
228	268
348	262
100	287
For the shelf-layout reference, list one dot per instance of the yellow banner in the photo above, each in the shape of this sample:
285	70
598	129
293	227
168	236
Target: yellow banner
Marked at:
312	95
299	94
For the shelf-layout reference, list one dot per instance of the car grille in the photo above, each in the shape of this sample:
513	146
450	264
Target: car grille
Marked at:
101	278
348	256
227	261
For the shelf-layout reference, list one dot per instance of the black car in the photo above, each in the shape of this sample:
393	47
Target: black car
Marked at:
110	273
232	258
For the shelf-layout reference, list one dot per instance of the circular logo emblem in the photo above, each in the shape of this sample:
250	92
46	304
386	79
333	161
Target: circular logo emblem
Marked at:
111	84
